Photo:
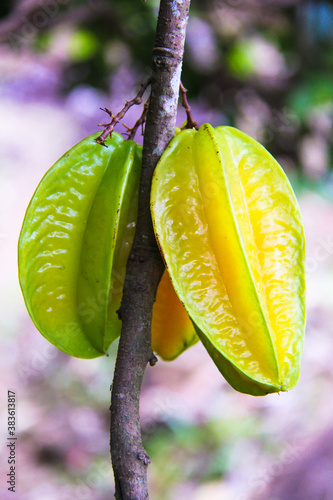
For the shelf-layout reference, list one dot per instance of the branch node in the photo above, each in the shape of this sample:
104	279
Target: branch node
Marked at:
153	360
143	457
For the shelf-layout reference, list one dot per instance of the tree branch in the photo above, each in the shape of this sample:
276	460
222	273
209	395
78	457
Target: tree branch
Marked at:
145	266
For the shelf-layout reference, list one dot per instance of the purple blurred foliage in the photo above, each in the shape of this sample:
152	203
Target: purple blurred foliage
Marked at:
208	441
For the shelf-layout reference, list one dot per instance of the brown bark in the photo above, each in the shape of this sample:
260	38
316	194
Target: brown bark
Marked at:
145	266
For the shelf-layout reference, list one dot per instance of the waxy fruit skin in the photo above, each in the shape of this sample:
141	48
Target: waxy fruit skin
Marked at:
74	244
73	249
231	234
172	331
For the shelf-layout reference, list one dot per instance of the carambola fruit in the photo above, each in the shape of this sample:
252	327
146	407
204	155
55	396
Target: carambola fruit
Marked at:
172	330
75	241
231	234
73	249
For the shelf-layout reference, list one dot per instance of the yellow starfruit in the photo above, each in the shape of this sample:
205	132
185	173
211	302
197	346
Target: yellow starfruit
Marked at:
231	234
172	330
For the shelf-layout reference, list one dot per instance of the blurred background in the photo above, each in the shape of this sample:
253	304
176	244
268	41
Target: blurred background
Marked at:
265	67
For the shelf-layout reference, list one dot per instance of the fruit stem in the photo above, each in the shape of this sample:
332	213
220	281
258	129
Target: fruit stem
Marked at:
109	127
140	121
190	123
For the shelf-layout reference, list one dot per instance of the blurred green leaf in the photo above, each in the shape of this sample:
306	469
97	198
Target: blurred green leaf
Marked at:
313	92
240	59
83	44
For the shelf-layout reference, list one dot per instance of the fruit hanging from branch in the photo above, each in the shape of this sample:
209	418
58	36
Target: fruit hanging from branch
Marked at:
230	232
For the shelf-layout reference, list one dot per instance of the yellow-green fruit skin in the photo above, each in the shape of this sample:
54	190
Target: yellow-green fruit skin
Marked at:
172	331
231	233
75	241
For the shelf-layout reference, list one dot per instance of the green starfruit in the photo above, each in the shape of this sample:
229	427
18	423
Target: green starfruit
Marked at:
73	249
75	241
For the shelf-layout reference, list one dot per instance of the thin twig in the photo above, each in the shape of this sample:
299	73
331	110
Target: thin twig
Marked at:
132	131
190	123
109	127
